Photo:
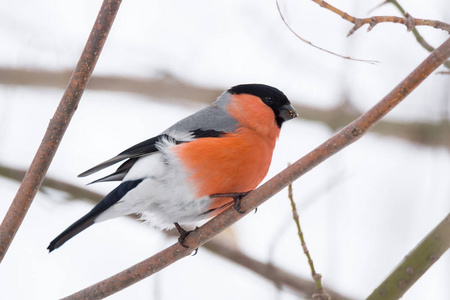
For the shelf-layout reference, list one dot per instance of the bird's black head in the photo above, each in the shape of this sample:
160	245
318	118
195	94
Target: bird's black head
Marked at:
272	97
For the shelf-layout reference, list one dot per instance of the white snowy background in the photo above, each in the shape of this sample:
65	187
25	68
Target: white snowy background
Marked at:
361	211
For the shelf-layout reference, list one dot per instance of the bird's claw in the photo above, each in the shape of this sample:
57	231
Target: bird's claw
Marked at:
237	204
236	199
183	234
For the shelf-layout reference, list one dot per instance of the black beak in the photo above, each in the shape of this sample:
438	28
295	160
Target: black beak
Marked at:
287	112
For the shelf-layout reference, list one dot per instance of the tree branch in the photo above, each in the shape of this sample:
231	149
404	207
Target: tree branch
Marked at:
408	21
169	88
315	46
415	263
58	125
320	292
415	32
339	141
278	276
73	190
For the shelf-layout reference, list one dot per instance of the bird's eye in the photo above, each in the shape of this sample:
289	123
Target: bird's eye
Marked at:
268	100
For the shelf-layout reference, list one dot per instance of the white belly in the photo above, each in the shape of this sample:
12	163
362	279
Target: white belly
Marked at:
163	197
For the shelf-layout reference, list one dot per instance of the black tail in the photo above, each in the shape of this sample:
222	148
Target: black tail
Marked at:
88	219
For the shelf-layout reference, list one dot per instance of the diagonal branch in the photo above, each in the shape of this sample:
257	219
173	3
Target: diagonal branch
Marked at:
339	141
415	264
280	277
58	125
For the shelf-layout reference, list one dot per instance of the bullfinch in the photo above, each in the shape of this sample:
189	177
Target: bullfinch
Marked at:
196	168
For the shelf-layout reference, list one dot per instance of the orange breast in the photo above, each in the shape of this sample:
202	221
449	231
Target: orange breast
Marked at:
235	162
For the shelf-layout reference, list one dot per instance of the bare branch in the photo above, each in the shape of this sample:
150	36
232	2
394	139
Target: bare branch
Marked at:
58	125
415	263
348	135
74	191
278	276
416	33
320	293
408	21
317	47
172	89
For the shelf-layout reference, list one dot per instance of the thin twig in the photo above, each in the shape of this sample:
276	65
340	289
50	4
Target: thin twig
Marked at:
317	47
415	32
58	125
320	292
415	263
335	179
279	276
348	135
408	21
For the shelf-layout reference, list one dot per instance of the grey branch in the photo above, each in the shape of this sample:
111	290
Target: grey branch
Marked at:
168	88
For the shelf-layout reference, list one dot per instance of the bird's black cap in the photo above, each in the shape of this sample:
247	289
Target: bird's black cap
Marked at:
272	97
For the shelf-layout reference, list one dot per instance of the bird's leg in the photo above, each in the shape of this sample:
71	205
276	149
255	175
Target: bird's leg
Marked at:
183	234
237	202
236	198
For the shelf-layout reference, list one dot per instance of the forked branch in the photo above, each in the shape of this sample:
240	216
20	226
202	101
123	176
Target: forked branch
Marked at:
408	20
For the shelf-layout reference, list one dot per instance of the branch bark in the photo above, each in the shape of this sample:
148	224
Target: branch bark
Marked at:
58	125
415	263
314	45
416	33
170	88
320	293
408	21
280	277
340	140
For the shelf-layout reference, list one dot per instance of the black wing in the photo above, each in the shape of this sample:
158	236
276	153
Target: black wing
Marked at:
144	148
147	146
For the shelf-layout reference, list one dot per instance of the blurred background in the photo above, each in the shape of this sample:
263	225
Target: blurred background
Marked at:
361	211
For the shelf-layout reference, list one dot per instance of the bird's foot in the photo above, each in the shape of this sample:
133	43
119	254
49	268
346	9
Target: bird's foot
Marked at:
236	199
183	234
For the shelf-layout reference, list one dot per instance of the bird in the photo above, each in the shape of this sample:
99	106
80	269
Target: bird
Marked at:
196	168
